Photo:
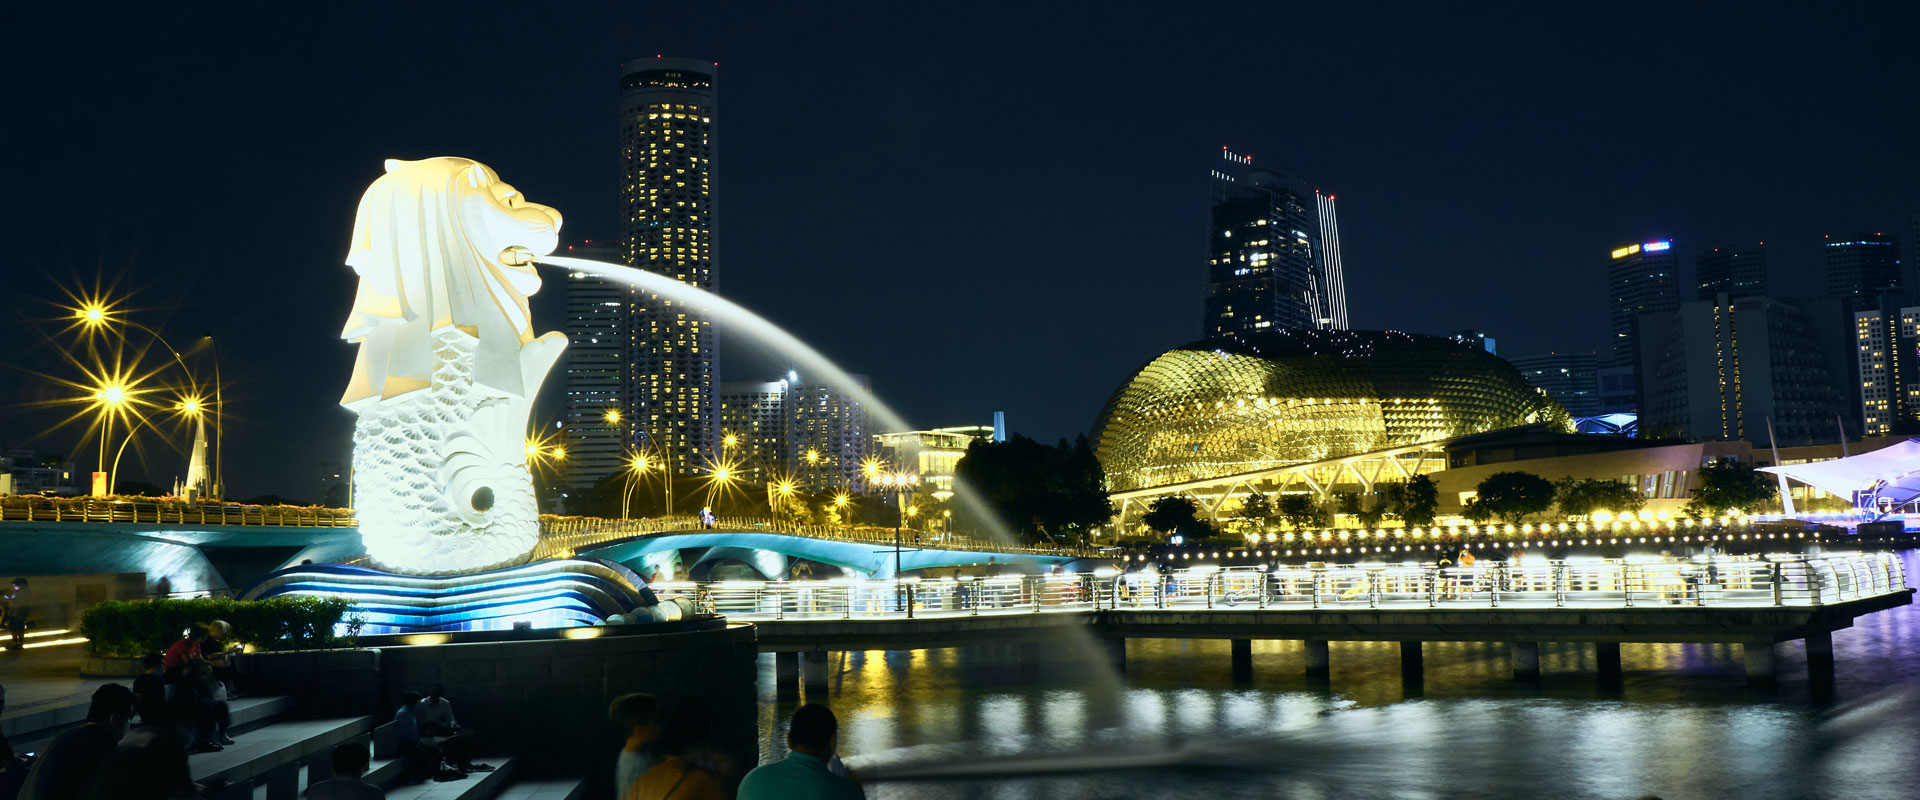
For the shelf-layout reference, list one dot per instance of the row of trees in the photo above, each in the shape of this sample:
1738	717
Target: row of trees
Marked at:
1509	497
1513	496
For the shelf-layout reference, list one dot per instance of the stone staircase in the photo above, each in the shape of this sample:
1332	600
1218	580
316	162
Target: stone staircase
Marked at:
276	755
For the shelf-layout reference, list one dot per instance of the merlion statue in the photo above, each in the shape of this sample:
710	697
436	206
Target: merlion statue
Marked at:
448	365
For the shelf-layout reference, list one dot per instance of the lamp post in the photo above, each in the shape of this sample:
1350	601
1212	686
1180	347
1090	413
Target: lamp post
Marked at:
900	483
636	468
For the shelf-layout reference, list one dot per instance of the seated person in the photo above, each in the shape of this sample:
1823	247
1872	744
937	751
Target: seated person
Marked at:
689	769
638	716
813	736
432	756
74	757
202	699
150	691
149	764
436	719
350	762
186	650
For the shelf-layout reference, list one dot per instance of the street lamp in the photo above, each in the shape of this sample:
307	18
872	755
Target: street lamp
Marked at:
900	482
636	468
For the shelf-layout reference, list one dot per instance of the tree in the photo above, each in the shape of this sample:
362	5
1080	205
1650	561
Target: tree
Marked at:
1726	483
1579	497
1300	511
1418	502
1257	511
1170	514
1039	491
1511	496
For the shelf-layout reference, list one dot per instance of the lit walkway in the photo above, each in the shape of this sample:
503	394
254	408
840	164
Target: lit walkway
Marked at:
1539	584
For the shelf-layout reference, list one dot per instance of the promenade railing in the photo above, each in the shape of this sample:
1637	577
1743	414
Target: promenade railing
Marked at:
565	536
24	508
1573	583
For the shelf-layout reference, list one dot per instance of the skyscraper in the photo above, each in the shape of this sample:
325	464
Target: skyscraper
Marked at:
1737	272
596	417
667	152
1641	279
754	417
1571	379
1726	368
1273	257
828	435
1887	344
1860	266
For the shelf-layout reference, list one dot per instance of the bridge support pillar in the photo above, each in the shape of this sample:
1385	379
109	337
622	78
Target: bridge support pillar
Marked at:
1758	654
1242	660
1318	661
1820	660
786	675
814	671
1606	656
1413	664
1116	654
1526	660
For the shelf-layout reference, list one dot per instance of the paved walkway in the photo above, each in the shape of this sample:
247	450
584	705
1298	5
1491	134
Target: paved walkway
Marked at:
44	678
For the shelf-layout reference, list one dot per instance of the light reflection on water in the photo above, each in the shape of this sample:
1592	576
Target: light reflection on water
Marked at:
1684	723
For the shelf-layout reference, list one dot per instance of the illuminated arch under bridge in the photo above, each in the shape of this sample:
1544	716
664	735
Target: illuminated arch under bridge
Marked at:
1359	472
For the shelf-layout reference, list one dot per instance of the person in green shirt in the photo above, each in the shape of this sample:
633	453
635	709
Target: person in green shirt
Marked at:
812	738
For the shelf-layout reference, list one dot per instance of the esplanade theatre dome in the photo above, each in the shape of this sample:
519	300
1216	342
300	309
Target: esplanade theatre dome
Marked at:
1257	401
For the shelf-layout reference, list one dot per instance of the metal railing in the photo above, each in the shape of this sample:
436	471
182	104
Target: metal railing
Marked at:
565	536
65	509
1574	583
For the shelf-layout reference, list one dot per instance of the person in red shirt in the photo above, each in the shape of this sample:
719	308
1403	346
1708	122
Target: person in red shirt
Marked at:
184	653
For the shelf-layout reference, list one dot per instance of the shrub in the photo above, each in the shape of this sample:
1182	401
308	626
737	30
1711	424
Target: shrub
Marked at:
137	627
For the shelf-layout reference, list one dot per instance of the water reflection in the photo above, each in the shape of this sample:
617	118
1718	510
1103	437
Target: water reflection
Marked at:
1683	724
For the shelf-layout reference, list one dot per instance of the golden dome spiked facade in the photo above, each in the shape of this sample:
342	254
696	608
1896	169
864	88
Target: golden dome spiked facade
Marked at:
1250	402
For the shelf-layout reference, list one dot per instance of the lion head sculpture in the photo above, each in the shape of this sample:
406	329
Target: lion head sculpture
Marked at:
428	242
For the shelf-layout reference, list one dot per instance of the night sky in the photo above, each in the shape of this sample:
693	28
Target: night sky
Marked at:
983	207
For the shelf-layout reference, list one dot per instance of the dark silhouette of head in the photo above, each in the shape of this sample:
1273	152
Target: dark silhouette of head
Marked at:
112	705
814	731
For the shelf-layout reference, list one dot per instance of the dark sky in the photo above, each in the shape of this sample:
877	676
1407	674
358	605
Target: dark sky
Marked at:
985	207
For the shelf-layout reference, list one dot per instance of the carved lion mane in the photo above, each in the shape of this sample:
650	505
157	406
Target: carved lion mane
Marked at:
427	244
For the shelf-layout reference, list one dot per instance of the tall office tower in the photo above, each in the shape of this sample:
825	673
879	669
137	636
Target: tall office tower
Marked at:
1725	368
1861	266
1273	255
827	435
1474	337
667	151
1641	279
753	416
596	420
1887	345
1571	379
1910	276
1737	272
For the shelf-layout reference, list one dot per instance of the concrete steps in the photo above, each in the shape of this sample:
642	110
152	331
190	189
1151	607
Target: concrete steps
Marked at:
550	789
271	754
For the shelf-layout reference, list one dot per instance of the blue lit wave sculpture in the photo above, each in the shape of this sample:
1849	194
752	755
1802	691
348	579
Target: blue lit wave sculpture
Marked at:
561	593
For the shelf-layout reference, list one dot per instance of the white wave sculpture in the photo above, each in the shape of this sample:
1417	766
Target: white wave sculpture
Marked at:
448	365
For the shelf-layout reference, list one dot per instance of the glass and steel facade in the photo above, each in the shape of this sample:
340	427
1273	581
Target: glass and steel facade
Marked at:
667	150
1273	253
1245	403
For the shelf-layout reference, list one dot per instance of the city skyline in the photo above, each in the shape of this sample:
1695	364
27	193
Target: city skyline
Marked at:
937	196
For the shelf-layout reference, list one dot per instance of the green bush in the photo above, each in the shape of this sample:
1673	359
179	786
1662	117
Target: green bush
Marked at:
138	627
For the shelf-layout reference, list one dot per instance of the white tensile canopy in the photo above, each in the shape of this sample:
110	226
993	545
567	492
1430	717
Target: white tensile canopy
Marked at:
1891	474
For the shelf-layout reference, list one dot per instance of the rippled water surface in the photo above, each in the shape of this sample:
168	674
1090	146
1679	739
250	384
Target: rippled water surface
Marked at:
1684	724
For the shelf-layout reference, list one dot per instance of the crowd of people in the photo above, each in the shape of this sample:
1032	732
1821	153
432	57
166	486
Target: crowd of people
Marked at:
666	756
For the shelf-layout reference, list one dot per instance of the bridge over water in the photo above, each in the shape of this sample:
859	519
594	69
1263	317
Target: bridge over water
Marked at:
218	548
